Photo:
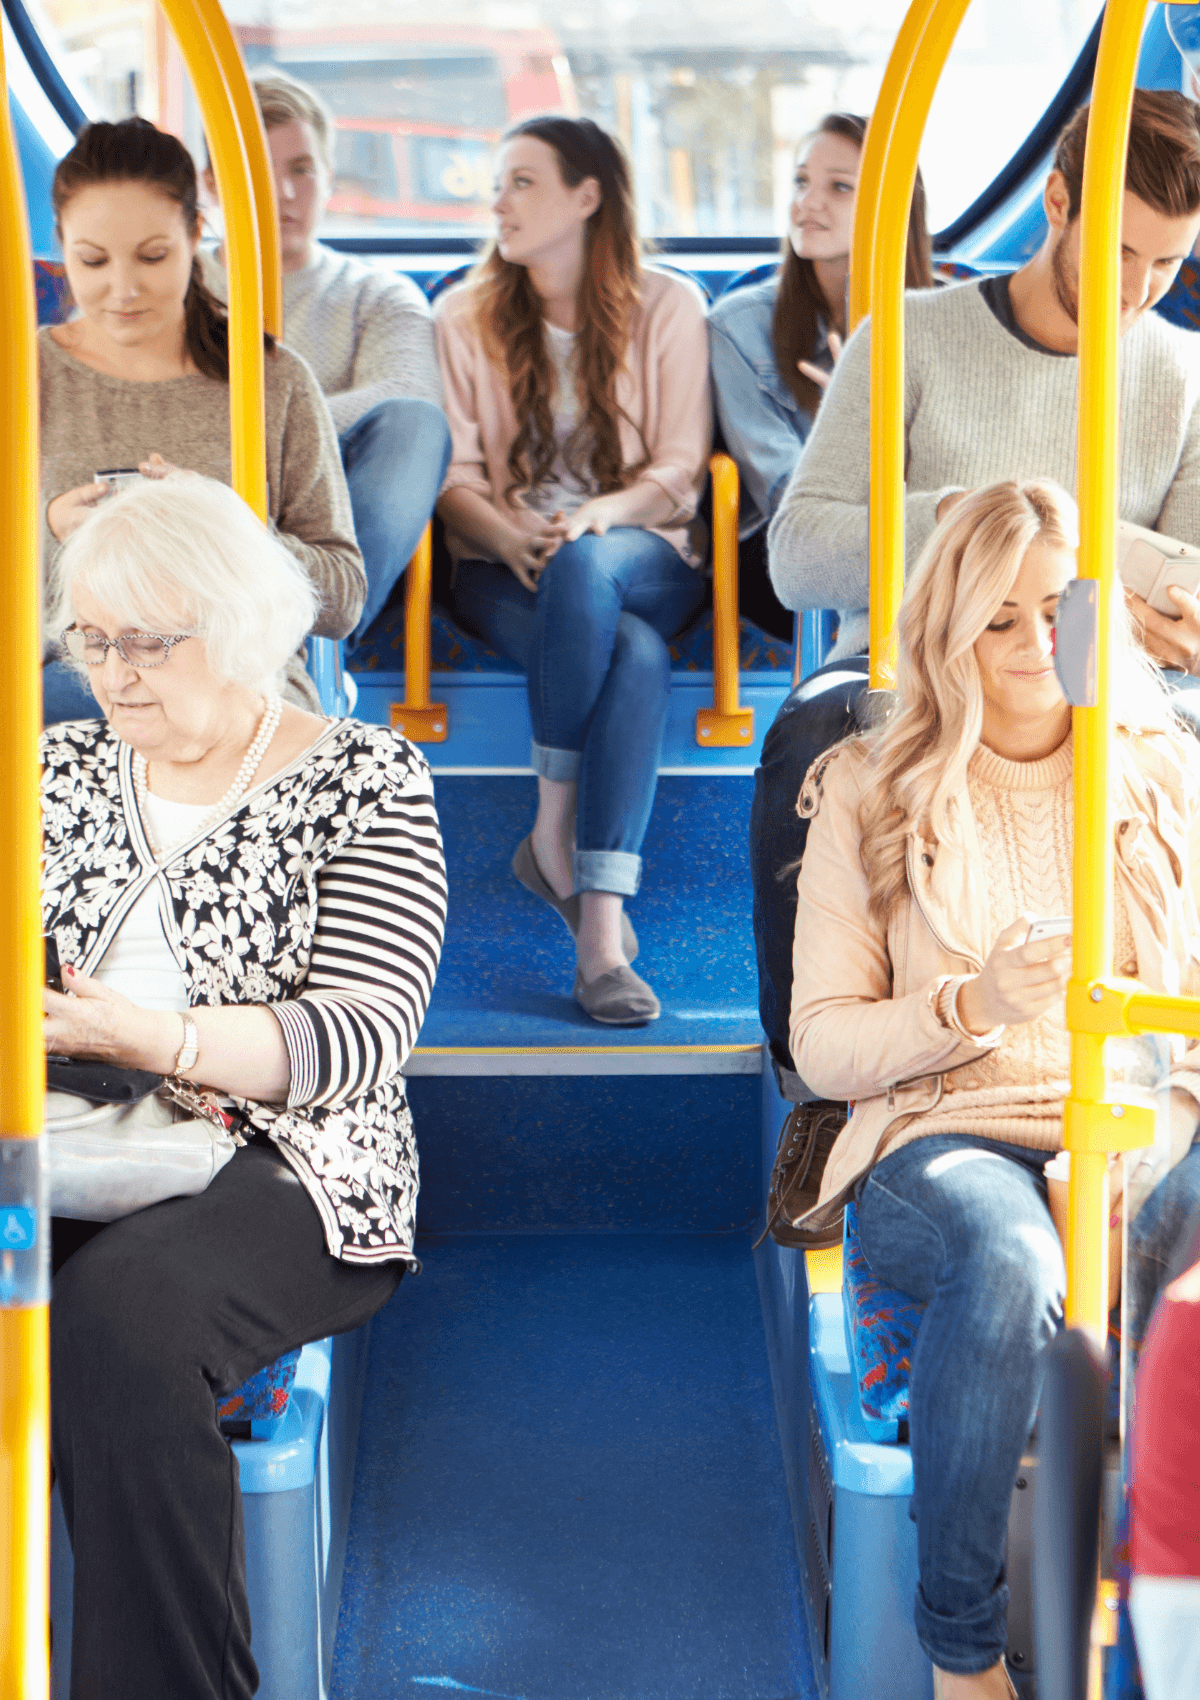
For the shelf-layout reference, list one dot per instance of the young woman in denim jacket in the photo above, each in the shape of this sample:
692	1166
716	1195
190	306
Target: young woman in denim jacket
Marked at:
773	344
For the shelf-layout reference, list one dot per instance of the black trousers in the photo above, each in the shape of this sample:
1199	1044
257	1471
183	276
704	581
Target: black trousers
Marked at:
153	1318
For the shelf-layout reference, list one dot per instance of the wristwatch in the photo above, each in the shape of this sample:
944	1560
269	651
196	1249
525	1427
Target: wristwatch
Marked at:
190	1049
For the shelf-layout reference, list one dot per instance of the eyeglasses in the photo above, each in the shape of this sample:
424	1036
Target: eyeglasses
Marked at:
136	649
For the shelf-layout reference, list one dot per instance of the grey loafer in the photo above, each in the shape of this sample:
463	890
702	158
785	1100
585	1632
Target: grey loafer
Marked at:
619	998
525	868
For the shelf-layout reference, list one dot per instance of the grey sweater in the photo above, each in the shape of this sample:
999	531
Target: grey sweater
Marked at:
366	333
978	406
90	421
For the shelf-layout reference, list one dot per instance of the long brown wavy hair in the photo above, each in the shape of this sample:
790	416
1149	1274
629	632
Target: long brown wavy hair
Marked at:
135	151
800	301
510	311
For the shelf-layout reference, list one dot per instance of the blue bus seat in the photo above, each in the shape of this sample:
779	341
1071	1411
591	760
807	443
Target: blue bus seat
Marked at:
756	274
262	1400
296	1491
327	670
881	1329
52	292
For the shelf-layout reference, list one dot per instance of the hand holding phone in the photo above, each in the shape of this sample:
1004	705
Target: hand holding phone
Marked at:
1049	927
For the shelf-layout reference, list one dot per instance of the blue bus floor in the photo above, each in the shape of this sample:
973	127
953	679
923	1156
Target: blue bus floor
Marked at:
508	966
569	1481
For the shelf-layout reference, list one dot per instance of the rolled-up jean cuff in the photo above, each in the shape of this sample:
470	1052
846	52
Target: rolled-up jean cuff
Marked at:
560	765
618	871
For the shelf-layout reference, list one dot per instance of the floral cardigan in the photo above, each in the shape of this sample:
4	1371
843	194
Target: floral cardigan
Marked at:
322	895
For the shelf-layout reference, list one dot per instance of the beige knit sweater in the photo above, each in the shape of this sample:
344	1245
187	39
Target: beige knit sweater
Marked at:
1024	818
91	421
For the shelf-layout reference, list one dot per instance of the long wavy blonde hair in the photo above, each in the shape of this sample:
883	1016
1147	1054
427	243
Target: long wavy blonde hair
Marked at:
917	759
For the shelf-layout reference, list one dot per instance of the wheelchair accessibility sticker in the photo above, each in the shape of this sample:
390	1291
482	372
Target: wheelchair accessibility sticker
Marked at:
18	1228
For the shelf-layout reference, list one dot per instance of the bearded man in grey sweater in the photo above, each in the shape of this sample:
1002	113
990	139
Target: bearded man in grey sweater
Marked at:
991	375
368	336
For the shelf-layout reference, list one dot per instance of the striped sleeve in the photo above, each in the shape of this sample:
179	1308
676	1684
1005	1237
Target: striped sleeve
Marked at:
381	913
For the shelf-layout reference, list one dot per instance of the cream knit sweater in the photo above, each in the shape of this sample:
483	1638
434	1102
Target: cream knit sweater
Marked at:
978	406
1023	815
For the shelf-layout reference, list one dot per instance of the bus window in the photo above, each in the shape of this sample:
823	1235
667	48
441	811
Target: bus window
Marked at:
710	99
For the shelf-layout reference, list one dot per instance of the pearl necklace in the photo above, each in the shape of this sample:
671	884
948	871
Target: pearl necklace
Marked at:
272	712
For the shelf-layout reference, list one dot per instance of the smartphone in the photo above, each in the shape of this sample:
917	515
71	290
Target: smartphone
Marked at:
53	967
1050	927
118	478
1150	564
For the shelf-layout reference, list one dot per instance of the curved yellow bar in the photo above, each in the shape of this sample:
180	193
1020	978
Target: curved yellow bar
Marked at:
254	137
886	512
1088	1120
243	262
726	724
24	1328
868	198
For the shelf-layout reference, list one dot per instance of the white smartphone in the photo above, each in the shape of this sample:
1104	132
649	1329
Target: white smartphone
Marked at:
1149	564
1049	927
118	478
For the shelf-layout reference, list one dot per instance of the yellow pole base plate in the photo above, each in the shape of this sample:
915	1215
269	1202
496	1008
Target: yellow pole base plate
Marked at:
715	730
423	725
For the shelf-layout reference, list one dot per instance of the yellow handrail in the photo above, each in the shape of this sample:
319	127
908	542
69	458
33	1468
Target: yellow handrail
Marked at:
24	1283
726	724
1088	1118
247	410
258	157
876	147
423	721
886	497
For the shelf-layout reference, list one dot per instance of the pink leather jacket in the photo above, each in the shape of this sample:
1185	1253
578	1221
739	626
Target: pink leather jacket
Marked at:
863	1023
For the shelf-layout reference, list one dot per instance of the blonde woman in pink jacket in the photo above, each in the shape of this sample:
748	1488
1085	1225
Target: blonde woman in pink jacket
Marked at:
935	841
576	387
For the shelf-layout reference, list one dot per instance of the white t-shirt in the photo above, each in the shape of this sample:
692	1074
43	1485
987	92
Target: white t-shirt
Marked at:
562	492
139	962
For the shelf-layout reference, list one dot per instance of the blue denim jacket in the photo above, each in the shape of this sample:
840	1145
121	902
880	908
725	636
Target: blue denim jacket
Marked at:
763	425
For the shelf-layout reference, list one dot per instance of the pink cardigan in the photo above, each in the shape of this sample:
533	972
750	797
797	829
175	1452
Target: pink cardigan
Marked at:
664	387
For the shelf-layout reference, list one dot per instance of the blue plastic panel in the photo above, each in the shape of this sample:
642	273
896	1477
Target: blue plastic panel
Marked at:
857	1462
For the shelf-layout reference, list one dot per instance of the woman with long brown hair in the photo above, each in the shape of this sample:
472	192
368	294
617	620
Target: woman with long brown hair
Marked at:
577	392
139	378
775	343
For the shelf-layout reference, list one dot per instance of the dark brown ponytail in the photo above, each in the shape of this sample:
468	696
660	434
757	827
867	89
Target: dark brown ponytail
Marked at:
135	151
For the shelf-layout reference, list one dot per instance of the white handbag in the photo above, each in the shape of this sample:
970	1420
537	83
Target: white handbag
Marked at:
104	1161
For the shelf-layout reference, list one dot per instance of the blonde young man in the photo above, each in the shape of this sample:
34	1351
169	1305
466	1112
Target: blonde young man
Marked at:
368	336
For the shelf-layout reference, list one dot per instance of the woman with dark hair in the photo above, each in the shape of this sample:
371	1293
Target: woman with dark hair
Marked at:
139	378
576	386
775	343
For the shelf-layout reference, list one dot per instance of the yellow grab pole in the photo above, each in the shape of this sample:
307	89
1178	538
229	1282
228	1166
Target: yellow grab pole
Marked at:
423	721
254	137
1089	1127
247	410
24	1225
876	146
886	500
725	724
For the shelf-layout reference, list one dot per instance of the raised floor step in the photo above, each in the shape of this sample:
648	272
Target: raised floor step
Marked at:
569	1481
505	981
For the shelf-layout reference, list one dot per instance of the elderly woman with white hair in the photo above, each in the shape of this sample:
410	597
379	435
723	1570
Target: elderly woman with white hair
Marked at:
249	898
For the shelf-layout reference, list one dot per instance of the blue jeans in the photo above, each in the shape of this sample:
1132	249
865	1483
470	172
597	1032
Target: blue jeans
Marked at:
593	641
65	696
962	1224
395	458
